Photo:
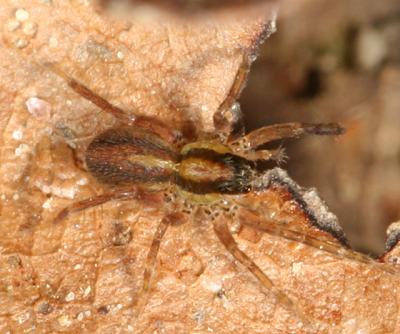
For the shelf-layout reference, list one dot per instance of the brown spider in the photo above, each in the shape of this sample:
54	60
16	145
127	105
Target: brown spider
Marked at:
143	156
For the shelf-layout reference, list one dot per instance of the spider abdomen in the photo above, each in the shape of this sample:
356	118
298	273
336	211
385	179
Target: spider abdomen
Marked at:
130	155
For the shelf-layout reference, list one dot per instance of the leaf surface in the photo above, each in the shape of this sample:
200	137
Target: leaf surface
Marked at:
83	275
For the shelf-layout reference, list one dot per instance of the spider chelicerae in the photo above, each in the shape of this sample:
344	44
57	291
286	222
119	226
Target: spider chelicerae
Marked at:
142	156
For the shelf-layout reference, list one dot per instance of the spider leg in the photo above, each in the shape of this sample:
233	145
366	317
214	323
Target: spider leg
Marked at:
235	127
95	201
279	229
277	155
145	122
224	235
88	94
285	130
150	264
149	268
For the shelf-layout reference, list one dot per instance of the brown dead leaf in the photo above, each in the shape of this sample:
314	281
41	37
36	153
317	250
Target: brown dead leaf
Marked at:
177	71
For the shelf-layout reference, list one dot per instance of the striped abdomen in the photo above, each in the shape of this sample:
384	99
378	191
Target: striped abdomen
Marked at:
130	155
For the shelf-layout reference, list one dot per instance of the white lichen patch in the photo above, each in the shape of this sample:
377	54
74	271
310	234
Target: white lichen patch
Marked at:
297	267
83	181
394	227
87	291
64	321
120	55
38	108
70	297
53	42
21	150
212	284
17	134
355	326
64	192
23	317
47	204
204	108
67	192
30	29
21	14
83	314
80	316
21	43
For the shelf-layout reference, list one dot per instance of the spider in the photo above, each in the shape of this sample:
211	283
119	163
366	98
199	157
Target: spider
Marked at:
142	156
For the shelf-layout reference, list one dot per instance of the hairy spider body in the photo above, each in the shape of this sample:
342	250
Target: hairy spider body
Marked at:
131	155
123	156
143	155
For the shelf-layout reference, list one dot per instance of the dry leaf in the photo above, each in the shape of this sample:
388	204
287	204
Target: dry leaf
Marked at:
84	275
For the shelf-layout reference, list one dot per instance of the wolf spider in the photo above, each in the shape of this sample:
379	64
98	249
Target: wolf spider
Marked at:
142	156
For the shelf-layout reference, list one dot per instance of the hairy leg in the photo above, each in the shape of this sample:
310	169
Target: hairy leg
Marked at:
151	124
173	219
230	106
95	201
336	249
224	235
278	155
150	264
88	94
285	130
